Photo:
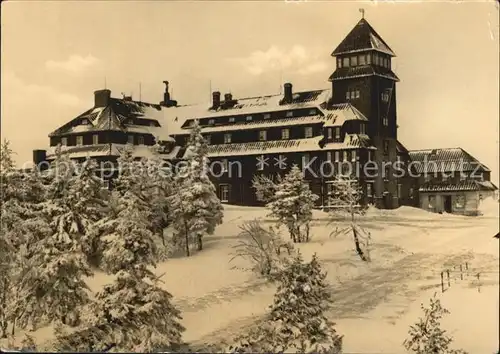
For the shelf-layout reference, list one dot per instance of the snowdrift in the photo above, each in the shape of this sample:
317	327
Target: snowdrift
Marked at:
489	207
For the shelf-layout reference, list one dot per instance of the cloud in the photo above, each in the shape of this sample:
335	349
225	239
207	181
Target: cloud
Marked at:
75	64
17	90
297	58
314	67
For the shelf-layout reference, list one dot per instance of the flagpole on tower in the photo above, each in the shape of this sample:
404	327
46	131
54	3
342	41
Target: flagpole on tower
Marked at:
362	12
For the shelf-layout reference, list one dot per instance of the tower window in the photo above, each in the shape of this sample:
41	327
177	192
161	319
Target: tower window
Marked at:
375	59
386	146
347	95
345	63
354	61
362	60
357	93
385	97
339	63
368	59
337	156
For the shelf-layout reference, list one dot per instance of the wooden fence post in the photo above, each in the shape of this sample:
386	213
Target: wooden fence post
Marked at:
448	275
442	282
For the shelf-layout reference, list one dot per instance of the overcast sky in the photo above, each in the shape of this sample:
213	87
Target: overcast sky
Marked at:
55	54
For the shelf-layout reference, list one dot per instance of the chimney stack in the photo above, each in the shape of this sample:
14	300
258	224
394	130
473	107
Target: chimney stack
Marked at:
166	95
228	97
101	98
288	92
215	100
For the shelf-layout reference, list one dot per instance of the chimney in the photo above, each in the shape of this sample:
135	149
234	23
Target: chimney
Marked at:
215	100
166	95
228	97
288	92
101	98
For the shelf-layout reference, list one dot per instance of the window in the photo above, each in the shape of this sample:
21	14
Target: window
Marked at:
85	121
369	189
345	62
463	176
348	95
353	95
399	190
267	115
95	139
262	135
345	156
432	201
105	184
64	141
211	121
231	119
308	132
152	124
141	140
249	118
460	202
337	156
375	59
386	146
330	133
362	60
224	165
208	139
385	121
445	177
305	159
224	193
385	96
410	192
289	114
227	138
312	112
362	128
337	133
79	140
339	63
357	93
353	155
285	134
329	156
130	139
354	61
368	59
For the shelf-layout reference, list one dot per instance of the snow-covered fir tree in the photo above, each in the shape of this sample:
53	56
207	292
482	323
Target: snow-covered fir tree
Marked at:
293	203
426	336
346	198
297	321
265	187
51	285
195	208
133	313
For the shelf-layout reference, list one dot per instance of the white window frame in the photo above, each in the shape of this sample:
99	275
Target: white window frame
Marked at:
361	60
224	193
249	118
353	95
64	141
285	134
368	59
262	135
339	62
95	139
227	138
140	140
79	140
130	139
308	132
267	115
348	95
344	155
231	119
289	114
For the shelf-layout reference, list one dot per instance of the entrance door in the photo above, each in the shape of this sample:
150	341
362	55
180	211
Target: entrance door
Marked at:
447	204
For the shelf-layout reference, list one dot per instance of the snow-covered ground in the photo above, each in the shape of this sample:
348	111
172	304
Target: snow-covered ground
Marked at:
374	303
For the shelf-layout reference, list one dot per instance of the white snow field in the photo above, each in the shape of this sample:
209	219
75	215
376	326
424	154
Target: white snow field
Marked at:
374	303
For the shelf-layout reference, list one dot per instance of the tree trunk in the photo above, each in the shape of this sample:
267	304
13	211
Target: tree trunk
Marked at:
13	332
359	251
200	242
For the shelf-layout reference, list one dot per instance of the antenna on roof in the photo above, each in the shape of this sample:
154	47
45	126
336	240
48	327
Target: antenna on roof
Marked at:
362	12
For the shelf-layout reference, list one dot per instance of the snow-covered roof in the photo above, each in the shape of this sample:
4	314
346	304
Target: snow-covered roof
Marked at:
351	141
99	150
445	160
462	186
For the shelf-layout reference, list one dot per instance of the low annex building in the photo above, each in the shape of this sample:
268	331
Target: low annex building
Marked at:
351	125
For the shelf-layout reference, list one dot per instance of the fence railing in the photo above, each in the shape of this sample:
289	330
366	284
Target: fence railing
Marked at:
464	271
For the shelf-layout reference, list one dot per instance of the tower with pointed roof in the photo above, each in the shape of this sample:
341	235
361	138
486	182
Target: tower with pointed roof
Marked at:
364	77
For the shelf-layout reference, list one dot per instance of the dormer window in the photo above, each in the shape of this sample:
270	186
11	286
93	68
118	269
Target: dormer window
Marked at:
289	114
85	121
227	138
231	119
249	118
267	115
211	121
64	141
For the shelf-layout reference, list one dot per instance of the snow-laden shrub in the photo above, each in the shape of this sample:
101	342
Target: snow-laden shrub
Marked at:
426	336
297	321
263	248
